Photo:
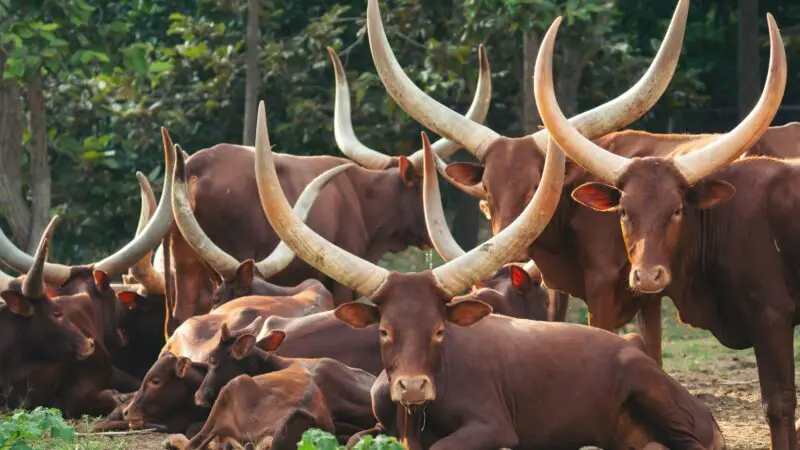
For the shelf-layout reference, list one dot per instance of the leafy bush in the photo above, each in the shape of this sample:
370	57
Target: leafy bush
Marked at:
24	426
315	439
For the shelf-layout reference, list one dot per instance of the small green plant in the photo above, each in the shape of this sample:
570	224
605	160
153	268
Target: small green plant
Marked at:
35	425
315	439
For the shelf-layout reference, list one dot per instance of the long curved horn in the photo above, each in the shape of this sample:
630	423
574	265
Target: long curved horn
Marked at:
152	234
694	165
143	271
349	270
33	284
55	274
425	110
282	256
352	147
481	262
601	120
223	263
441	238
701	162
636	101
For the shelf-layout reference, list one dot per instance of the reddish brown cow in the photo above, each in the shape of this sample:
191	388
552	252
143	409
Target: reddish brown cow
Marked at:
247	278
532	384
270	411
353	213
345	389
729	262
511	169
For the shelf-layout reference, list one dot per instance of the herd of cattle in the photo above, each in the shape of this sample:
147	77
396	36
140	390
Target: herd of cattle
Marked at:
221	350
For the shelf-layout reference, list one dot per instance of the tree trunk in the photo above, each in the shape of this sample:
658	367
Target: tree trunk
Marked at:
40	167
530	114
466	220
748	67
253	74
16	210
570	70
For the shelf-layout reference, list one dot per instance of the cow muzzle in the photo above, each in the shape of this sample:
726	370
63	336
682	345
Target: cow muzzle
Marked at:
414	390
85	349
134	418
649	280
201	398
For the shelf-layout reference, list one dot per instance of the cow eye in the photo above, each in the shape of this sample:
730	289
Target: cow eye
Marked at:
155	381
678	212
623	214
440	334
384	333
58	314
212	362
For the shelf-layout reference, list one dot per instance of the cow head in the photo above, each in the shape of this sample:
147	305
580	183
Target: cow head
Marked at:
510	169
237	354
41	325
654	196
514	291
413	311
238	279
168	385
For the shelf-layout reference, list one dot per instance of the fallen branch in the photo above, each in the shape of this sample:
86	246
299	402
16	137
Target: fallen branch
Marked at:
118	433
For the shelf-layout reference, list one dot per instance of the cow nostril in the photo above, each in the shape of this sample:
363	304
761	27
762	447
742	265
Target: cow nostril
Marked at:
401	385
125	413
659	272
636	278
422	383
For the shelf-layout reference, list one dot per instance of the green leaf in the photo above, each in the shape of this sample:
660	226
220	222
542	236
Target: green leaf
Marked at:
49	27
160	66
135	57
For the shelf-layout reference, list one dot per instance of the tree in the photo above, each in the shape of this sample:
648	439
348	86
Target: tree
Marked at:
253	79
748	67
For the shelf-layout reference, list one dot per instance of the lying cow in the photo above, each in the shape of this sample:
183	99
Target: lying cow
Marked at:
529	384
270	411
346	390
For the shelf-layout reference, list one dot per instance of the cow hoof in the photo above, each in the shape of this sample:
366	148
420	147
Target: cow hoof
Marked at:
175	442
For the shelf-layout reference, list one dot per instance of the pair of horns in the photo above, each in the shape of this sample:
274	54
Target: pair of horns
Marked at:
223	263
693	165
367	278
349	144
477	138
117	263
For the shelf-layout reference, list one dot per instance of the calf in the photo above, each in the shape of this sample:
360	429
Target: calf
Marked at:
346	390
269	411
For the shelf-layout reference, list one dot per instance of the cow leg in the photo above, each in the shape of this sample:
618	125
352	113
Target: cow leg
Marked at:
478	436
649	324
558	302
192	282
600	293
773	344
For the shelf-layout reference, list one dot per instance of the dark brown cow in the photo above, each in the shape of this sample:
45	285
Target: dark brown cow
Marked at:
729	262
34	330
353	213
510	170
140	319
531	384
270	411
346	390
165	398
247	278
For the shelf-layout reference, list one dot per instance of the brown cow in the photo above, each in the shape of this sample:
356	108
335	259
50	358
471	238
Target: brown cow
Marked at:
510	170
247	278
353	213
34	330
729	262
270	411
345	389
531	384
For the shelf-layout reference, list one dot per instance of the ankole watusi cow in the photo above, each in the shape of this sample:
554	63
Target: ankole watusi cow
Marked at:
268	411
345	389
355	214
246	278
531	384
510	171
718	239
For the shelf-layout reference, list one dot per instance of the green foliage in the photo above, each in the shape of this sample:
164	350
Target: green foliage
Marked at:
17	430
315	439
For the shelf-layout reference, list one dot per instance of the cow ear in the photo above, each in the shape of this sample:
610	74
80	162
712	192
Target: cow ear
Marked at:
243	346
408	173
466	173
271	341
182	365
466	312
709	193
520	279
18	303
101	280
128	298
484	206
357	315
245	274
597	196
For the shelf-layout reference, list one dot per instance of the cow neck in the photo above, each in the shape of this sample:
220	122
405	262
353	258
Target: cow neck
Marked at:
263	362
10	356
392	213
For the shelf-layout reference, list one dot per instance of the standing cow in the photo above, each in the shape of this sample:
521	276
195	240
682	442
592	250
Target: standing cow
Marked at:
720	240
